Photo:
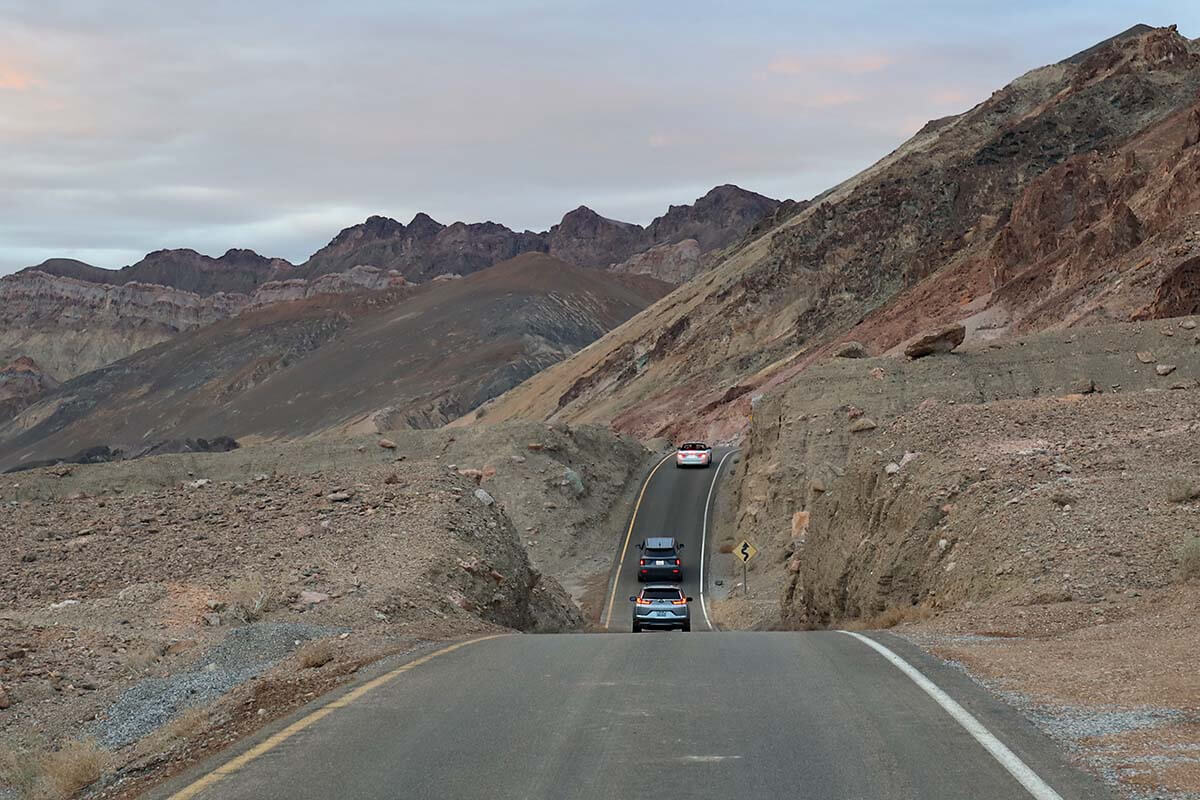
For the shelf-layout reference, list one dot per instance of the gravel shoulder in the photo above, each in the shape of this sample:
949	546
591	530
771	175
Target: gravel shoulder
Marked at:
153	609
1024	508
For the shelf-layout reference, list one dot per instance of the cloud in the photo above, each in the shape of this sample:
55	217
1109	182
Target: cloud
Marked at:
14	79
826	63
131	125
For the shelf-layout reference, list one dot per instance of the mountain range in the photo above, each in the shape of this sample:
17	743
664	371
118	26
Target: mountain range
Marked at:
1069	197
70	317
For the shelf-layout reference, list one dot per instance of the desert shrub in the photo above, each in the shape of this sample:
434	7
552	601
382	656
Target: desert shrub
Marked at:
1180	490
890	617
317	654
55	775
187	725
74	766
137	660
19	770
251	597
1189	559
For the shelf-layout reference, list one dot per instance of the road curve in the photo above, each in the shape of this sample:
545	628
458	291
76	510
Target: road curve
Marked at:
815	715
673	502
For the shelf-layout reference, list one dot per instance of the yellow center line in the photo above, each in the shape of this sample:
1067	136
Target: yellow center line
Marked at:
612	598
273	741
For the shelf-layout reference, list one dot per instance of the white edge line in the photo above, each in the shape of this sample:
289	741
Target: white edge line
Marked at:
1037	787
704	535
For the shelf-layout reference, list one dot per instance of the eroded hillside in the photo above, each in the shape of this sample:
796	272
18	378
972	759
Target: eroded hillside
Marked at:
408	357
1067	197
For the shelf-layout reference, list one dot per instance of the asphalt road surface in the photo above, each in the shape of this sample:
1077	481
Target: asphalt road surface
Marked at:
815	715
675	503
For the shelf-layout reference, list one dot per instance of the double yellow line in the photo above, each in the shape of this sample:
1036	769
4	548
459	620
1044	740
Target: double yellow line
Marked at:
273	741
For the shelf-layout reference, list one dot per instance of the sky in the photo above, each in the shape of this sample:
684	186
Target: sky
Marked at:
131	126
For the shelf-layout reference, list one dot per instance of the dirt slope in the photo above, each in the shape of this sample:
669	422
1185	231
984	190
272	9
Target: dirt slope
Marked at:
412	357
167	606
1067	197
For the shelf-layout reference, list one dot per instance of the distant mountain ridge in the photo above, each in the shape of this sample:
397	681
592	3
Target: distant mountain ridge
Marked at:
425	248
404	357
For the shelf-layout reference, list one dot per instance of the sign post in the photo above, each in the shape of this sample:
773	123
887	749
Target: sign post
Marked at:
745	551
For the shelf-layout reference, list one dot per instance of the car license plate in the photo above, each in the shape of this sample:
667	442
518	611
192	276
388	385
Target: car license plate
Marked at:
660	614
659	563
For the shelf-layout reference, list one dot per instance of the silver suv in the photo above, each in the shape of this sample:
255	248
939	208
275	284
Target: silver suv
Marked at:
661	605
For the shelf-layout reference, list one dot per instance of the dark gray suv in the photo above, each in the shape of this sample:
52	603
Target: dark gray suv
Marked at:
660	560
663	606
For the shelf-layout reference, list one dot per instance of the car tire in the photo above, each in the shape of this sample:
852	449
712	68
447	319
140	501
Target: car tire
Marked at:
637	628
687	627
641	579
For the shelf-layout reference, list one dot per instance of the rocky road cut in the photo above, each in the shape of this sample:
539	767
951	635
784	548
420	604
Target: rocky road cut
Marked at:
820	714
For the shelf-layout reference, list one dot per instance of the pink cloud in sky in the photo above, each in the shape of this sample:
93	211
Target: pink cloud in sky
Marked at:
849	63
13	78
957	96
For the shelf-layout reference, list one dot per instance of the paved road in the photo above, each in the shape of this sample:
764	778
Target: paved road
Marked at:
674	503
817	716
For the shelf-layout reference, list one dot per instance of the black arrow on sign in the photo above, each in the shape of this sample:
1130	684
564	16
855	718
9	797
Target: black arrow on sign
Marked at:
745	551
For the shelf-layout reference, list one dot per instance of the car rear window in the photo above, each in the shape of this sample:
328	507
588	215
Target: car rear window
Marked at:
661	594
694	446
654	552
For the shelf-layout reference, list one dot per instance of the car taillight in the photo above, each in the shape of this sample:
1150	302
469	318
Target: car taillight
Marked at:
675	571
641	562
679	602
677	562
642	602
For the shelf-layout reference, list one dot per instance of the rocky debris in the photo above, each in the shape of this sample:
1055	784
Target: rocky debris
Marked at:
862	424
482	496
574	483
851	350
1145	356
1188	324
244	653
5	700
157	574
1082	386
387	444
340	496
1164	369
942	340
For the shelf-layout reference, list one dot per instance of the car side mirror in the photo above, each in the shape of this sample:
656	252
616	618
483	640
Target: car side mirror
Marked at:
689	599
639	547
633	598
679	546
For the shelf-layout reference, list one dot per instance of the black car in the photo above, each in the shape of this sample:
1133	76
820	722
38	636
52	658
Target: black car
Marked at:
660	560
662	606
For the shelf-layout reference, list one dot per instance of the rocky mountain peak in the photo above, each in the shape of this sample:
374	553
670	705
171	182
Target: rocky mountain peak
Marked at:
424	226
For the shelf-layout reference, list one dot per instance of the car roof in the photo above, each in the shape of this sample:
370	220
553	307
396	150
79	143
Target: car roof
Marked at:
660	542
673	586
